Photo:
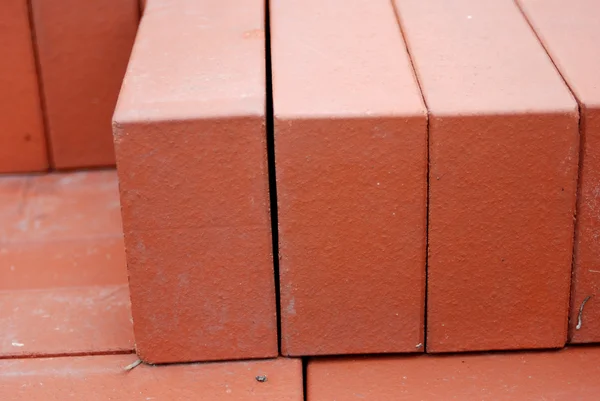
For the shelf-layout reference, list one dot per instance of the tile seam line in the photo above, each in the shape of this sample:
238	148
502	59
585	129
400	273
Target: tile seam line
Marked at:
396	12
40	85
63	287
519	7
41	355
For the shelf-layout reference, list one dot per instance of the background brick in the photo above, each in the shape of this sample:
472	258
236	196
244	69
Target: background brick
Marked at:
22	141
83	49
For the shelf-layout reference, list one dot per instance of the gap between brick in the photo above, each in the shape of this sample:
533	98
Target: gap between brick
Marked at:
416	75
40	85
271	167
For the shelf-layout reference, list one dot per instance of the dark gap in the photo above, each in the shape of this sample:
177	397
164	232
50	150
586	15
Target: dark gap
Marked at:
304	377
41	93
579	165
412	63
271	162
67	354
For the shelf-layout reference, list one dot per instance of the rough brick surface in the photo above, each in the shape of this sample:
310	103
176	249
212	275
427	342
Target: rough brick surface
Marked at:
565	375
503	142
192	160
351	161
63	281
570	32
22	141
83	49
103	378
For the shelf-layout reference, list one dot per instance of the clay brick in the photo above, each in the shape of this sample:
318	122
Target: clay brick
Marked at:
63	281
83	50
103	378
565	375
192	160
503	153
570	32
351	160
22	141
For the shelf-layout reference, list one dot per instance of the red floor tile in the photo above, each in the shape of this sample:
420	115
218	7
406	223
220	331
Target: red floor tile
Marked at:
22	139
566	375
59	321
63	285
103	378
82	49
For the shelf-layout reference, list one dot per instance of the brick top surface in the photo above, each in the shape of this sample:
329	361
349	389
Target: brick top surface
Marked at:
480	57
340	58
196	59
570	30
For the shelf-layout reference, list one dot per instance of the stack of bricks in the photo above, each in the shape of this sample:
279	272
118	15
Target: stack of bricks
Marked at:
423	179
351	177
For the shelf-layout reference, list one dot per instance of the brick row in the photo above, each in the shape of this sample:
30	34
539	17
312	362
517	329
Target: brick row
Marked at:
426	153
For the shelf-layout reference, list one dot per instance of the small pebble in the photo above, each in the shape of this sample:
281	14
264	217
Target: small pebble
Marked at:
261	379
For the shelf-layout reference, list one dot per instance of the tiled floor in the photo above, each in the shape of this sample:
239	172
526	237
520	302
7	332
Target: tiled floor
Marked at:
63	281
66	330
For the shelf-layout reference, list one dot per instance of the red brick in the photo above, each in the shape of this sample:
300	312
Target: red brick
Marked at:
351	159
103	378
83	49
191	149
63	281
570	32
22	141
503	152
565	375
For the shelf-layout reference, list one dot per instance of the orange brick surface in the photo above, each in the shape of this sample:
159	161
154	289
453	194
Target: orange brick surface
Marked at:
192	161
570	32
565	375
351	162
63	282
503	143
83	49
22	141
103	378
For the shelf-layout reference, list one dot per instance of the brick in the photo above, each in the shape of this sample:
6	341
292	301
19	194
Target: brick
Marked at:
190	141
351	161
103	378
22	141
63	282
83	49
570	33
570	374
503	153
